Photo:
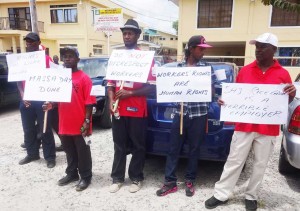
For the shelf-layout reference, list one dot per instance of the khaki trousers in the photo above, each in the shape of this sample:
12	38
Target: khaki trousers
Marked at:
240	147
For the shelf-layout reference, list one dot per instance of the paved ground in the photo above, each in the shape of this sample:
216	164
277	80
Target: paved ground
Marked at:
34	186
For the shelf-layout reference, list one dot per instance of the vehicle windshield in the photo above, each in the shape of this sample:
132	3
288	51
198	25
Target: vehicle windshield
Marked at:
94	67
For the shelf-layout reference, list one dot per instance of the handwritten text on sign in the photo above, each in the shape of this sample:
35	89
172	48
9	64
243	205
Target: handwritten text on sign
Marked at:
254	103
20	64
183	84
129	65
50	84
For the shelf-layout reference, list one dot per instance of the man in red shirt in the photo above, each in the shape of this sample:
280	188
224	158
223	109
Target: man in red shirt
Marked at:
259	137
32	112
75	123
131	125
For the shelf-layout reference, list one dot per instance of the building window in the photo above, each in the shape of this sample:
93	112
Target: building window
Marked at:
63	13
285	18
289	52
97	49
171	38
214	13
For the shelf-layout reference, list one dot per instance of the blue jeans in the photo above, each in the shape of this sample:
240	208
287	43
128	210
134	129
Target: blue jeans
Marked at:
34	113
193	133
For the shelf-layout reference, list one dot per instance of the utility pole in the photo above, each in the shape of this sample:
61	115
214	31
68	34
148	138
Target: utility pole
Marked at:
33	16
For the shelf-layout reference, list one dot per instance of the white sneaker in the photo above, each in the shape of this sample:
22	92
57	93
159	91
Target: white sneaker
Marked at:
135	186
115	187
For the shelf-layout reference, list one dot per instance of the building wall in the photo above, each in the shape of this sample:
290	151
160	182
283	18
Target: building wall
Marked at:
250	19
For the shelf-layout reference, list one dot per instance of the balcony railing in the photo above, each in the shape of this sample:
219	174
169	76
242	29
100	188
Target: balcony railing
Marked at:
18	24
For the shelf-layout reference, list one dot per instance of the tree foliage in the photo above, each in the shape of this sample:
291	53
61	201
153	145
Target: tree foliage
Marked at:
283	4
175	26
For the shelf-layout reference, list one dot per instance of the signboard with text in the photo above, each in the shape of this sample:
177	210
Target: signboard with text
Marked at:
51	84
22	63
183	84
108	19
254	103
129	65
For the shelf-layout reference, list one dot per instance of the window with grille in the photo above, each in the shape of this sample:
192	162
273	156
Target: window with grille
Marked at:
97	49
292	55
214	13
285	18
63	13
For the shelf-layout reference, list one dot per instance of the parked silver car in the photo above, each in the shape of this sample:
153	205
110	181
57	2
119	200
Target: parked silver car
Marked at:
289	159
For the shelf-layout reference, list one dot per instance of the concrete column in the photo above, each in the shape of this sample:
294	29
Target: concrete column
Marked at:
22	45
14	45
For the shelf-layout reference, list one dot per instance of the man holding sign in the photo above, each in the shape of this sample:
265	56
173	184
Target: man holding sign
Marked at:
194	125
32	112
129	124
259	137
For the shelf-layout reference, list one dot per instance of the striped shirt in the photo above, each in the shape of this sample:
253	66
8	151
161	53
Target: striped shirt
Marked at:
195	109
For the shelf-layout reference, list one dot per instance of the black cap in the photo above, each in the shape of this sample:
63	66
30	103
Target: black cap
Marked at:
69	49
198	40
32	36
132	24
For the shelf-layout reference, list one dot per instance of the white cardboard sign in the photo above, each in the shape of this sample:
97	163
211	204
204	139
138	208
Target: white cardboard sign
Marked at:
22	63
129	65
51	84
98	90
254	103
183	84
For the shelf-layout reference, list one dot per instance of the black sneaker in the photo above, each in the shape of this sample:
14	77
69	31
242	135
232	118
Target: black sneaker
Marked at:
213	203
250	205
166	189
189	189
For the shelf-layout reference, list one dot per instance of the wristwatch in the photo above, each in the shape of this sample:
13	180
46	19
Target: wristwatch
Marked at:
87	120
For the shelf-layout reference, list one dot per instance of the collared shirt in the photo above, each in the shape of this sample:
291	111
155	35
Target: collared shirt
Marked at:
195	109
252	74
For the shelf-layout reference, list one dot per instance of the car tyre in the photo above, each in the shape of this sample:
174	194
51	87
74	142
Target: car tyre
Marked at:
284	166
105	118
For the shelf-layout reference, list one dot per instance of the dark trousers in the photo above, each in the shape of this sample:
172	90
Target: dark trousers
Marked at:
55	120
193	133
34	113
129	134
78	156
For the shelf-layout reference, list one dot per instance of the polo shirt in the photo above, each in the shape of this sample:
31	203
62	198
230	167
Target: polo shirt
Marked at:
252	74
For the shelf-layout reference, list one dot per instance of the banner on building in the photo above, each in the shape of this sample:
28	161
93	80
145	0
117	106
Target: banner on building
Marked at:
108	19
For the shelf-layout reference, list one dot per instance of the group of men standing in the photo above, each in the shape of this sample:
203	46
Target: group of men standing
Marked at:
128	100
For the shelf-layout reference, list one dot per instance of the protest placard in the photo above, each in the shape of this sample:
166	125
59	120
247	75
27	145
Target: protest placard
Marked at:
184	84
108	19
21	63
129	65
254	103
98	90
297	85
51	84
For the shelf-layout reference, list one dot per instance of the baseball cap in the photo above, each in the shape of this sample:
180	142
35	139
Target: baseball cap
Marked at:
198	40
32	36
131	24
69	49
266	38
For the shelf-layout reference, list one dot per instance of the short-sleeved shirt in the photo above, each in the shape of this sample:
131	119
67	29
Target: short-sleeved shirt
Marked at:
135	106
72	115
252	74
195	109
